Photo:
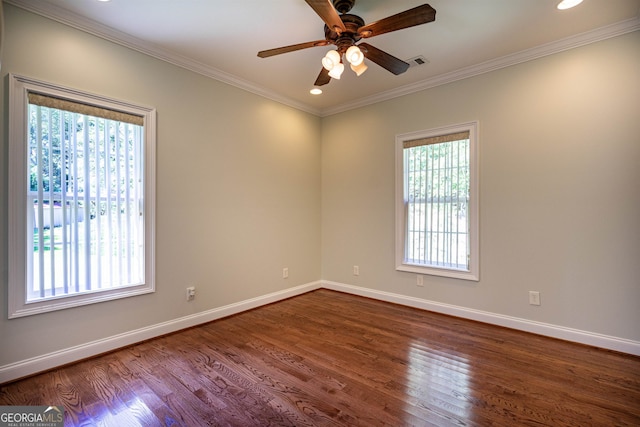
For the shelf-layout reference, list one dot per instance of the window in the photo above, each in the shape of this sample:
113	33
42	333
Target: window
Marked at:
437	202
81	194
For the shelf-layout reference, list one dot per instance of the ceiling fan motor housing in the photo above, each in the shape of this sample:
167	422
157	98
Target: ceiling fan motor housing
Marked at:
347	38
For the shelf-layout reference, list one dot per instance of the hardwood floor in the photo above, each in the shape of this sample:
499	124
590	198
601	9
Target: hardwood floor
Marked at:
332	359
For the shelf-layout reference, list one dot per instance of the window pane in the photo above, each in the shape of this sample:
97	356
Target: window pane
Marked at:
84	197
437	198
81	198
437	227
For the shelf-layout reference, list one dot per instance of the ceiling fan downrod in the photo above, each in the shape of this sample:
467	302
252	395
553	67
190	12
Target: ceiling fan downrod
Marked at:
343	6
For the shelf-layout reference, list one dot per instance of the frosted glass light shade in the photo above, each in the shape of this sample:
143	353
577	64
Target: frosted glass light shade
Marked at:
354	55
331	59
336	71
359	69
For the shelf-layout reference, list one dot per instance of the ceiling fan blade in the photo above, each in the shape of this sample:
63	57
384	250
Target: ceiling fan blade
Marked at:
383	59
291	48
328	13
409	18
323	77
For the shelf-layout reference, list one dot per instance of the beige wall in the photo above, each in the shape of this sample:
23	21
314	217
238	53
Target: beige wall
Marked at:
247	186
238	186
559	189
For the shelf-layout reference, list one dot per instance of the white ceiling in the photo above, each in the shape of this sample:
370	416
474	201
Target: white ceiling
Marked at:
220	38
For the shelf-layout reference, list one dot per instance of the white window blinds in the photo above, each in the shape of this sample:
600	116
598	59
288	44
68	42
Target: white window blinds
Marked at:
437	182
84	200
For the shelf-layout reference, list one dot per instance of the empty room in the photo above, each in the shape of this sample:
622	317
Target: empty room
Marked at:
320	212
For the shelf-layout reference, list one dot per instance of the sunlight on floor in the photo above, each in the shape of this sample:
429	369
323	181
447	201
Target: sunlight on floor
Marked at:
137	414
438	382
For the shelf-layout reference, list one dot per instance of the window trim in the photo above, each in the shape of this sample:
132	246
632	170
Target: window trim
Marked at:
19	89
474	189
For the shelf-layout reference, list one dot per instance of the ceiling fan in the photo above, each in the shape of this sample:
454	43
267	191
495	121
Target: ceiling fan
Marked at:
344	30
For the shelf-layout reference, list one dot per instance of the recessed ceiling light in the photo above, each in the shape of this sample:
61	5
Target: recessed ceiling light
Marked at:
315	91
567	4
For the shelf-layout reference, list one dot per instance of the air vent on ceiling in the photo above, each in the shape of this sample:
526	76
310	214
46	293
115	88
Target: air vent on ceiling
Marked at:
417	61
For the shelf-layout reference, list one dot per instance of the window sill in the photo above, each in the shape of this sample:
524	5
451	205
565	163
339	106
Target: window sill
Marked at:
442	272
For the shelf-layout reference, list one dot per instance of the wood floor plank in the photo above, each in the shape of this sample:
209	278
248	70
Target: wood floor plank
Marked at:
331	359
229	380
387	412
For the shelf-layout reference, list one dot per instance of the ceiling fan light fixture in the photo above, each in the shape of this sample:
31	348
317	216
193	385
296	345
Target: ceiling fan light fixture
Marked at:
359	69
568	4
336	71
331	59
354	55
327	63
344	30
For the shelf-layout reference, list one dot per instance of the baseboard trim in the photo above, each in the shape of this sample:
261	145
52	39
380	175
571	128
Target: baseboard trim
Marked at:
52	360
554	331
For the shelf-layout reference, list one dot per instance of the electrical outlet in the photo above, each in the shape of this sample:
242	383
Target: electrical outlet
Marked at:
356	270
191	293
534	297
285	273
419	280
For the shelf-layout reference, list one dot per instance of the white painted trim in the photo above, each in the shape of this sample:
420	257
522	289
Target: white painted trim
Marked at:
37	364
554	331
19	89
56	13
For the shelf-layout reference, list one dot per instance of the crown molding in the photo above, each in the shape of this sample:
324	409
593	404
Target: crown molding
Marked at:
92	27
599	34
89	26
